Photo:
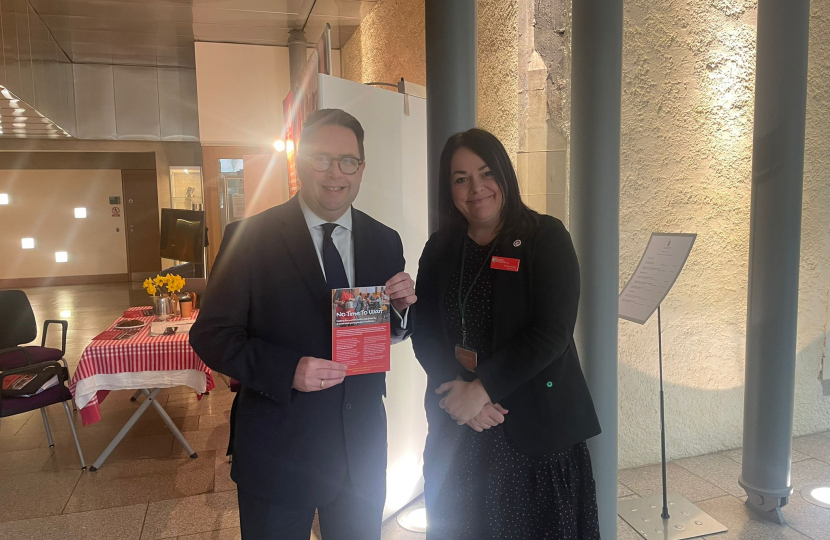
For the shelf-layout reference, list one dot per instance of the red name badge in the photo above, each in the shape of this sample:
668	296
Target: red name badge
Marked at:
503	263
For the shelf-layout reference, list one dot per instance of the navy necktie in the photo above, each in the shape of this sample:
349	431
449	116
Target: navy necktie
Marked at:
336	277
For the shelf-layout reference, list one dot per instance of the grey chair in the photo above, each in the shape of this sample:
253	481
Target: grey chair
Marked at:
17	327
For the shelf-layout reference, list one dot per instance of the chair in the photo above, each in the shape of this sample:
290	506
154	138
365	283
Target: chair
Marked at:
18	326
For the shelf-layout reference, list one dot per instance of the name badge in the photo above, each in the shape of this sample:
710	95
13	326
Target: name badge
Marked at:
467	357
504	263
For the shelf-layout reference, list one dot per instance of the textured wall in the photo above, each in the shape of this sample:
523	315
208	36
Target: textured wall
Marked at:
688	97
498	71
388	45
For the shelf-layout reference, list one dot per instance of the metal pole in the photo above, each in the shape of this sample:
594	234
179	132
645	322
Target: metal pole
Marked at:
451	62
297	54
774	252
665	514
594	223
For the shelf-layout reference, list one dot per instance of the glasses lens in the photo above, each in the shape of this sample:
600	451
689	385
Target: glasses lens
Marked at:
320	163
349	165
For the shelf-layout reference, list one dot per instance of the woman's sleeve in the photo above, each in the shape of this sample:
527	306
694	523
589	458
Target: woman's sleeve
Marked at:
554	291
428	340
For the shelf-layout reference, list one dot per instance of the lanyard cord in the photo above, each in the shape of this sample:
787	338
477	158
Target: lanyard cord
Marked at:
462	300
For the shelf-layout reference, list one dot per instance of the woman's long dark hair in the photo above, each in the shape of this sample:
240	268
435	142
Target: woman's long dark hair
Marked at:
516	217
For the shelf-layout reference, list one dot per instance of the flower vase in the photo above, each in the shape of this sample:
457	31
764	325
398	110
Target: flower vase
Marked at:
163	307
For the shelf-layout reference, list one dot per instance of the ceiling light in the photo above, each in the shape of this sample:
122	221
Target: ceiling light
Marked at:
28	243
65	314
816	494
4	198
289	146
279	145
414	518
186	171
6	94
80	213
61	256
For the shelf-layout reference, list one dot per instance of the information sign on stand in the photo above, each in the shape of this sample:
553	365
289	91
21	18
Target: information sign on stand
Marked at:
667	516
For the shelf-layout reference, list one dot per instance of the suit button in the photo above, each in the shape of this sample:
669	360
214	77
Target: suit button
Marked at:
550	384
348	406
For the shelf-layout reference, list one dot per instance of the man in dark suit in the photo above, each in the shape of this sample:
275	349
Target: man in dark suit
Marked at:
305	436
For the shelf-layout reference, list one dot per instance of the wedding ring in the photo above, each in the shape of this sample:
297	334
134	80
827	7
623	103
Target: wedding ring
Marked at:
322	382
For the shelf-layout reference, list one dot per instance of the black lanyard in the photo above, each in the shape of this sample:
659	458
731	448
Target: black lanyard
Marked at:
462	303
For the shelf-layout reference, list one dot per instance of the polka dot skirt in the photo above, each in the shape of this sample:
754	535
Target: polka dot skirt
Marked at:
478	486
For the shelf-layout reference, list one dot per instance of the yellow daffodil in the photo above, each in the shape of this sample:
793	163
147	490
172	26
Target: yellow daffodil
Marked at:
151	290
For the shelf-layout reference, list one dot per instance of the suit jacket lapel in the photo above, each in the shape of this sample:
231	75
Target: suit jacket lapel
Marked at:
301	247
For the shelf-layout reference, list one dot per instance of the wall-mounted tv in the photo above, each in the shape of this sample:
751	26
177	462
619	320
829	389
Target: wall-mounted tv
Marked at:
182	234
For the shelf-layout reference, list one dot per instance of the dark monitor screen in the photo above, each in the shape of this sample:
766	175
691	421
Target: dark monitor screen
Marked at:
182	234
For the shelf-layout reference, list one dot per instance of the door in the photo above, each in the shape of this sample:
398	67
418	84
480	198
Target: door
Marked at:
141	218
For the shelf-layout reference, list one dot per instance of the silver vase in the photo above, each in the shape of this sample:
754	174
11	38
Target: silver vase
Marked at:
163	307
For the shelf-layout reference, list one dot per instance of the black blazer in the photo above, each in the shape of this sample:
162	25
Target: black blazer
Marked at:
534	371
266	306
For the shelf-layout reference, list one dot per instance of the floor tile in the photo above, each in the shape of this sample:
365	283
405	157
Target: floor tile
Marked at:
742	522
204	440
626	531
646	481
623	491
716	469
24	461
816	446
807	518
132	447
13	443
211	421
11	425
142	481
224	534
37	494
112	524
191	515
811	471
737	455
222	481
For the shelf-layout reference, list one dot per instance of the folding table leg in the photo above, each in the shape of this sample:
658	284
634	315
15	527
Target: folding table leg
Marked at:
136	395
173	427
151	398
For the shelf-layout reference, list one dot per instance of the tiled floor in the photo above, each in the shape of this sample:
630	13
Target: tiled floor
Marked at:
149	489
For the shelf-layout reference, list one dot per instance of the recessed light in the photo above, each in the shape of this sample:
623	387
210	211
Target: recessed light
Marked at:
4	198
65	314
817	494
28	243
413	519
6	94
80	213
61	256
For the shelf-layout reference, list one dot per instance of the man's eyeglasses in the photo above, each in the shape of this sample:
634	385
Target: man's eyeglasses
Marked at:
322	163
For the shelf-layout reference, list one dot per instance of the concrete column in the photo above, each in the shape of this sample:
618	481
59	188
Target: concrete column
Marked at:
594	224
774	252
451	62
297	54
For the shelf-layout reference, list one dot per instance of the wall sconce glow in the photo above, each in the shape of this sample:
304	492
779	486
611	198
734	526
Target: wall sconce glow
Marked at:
279	145
80	213
186	171
4	198
289	147
65	314
28	243
61	256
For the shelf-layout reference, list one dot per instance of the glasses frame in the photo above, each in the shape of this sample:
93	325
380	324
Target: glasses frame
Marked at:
332	160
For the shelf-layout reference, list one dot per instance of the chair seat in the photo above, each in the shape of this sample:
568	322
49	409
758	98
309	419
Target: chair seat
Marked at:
235	385
17	358
10	406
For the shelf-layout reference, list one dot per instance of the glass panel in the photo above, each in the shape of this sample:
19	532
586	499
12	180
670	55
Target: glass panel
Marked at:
231	191
186	188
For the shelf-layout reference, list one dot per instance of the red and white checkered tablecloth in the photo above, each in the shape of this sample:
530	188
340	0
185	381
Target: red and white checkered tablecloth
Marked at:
142	361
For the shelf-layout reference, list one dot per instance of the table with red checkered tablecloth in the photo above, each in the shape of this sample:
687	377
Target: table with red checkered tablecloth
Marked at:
142	362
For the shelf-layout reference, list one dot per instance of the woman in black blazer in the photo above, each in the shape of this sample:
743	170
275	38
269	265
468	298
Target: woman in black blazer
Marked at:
508	407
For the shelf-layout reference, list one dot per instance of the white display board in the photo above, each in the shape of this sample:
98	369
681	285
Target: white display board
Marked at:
394	191
662	262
